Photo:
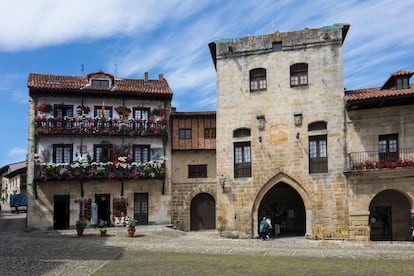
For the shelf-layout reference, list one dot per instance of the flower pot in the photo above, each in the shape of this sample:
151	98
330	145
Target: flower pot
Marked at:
80	231
103	233
131	232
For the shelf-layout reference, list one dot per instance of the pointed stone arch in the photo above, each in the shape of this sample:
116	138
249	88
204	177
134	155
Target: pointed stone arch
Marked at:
280	178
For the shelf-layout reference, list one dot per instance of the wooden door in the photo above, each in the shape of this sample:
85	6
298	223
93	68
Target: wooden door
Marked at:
203	212
141	208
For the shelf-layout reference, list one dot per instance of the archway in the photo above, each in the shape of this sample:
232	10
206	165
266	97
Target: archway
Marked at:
284	205
203	212
389	217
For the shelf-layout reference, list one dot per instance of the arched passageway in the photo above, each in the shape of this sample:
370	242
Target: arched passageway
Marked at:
284	205
389	217
203	212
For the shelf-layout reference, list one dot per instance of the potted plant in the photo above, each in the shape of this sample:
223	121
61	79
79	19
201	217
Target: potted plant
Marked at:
102	225
131	227
81	224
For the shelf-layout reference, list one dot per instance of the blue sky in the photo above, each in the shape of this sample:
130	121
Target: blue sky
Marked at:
171	37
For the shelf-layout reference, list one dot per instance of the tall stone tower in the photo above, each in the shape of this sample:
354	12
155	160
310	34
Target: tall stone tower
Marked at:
280	130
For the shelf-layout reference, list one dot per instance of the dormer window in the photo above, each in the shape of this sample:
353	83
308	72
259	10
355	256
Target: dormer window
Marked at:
403	83
398	80
100	83
100	79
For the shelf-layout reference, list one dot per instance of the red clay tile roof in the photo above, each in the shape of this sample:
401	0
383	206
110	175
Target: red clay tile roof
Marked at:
61	82
388	90
376	93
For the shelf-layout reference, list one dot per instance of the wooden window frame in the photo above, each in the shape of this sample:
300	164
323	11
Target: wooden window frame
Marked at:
210	133
388	147
197	171
141	148
299	74
63	147
242	160
318	154
185	134
107	147
258	80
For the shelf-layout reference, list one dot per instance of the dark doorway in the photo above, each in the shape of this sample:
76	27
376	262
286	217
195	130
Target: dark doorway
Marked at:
61	212
103	201
390	217
203	212
141	208
283	204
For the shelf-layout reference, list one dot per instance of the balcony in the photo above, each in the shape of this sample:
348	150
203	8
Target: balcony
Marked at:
155	126
102	170
373	160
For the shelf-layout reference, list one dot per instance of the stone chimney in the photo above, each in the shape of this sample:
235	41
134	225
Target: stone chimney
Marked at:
146	76
160	77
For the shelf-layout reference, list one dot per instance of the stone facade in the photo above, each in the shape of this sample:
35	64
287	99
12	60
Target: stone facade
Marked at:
279	151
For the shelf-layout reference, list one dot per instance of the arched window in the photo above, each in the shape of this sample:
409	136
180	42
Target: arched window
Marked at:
319	125
298	74
241	132
258	79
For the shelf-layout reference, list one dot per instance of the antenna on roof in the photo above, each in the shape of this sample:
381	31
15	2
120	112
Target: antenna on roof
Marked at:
116	71
273	25
82	69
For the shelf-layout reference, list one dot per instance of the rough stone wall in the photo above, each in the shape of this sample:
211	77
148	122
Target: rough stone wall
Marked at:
284	146
363	130
184	189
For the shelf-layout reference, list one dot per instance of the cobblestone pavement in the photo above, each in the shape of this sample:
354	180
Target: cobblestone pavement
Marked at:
63	253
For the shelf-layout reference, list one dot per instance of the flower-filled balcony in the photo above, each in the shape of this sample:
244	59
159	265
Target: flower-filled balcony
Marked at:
79	170
154	126
374	160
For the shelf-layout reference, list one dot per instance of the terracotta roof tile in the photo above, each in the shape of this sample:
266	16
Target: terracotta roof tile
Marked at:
376	93
61	82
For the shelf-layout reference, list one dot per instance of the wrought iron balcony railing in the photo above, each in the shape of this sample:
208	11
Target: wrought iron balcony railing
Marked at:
374	160
109	170
100	126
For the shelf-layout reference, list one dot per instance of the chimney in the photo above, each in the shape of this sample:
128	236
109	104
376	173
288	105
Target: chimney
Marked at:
160	77
146	76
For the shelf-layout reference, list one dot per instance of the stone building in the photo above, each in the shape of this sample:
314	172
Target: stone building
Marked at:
286	141
13	179
97	148
292	145
380	164
193	171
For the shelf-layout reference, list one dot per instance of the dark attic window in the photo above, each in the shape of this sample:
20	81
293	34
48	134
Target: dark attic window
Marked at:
100	83
403	83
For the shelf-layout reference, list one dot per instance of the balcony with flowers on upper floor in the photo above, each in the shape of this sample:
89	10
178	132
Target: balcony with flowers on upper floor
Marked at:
374	161
100	126
84	170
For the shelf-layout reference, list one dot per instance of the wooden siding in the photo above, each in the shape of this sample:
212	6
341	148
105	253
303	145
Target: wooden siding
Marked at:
197	124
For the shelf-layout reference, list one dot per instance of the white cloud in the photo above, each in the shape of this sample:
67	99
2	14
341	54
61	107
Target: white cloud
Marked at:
50	22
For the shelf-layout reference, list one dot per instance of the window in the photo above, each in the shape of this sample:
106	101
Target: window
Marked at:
318	158
298	74
62	153
141	153
103	111
242	160
184	133
241	132
209	133
197	171
388	147
258	79
100	83
403	83
141	114
320	125
102	153
277	46
62	111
